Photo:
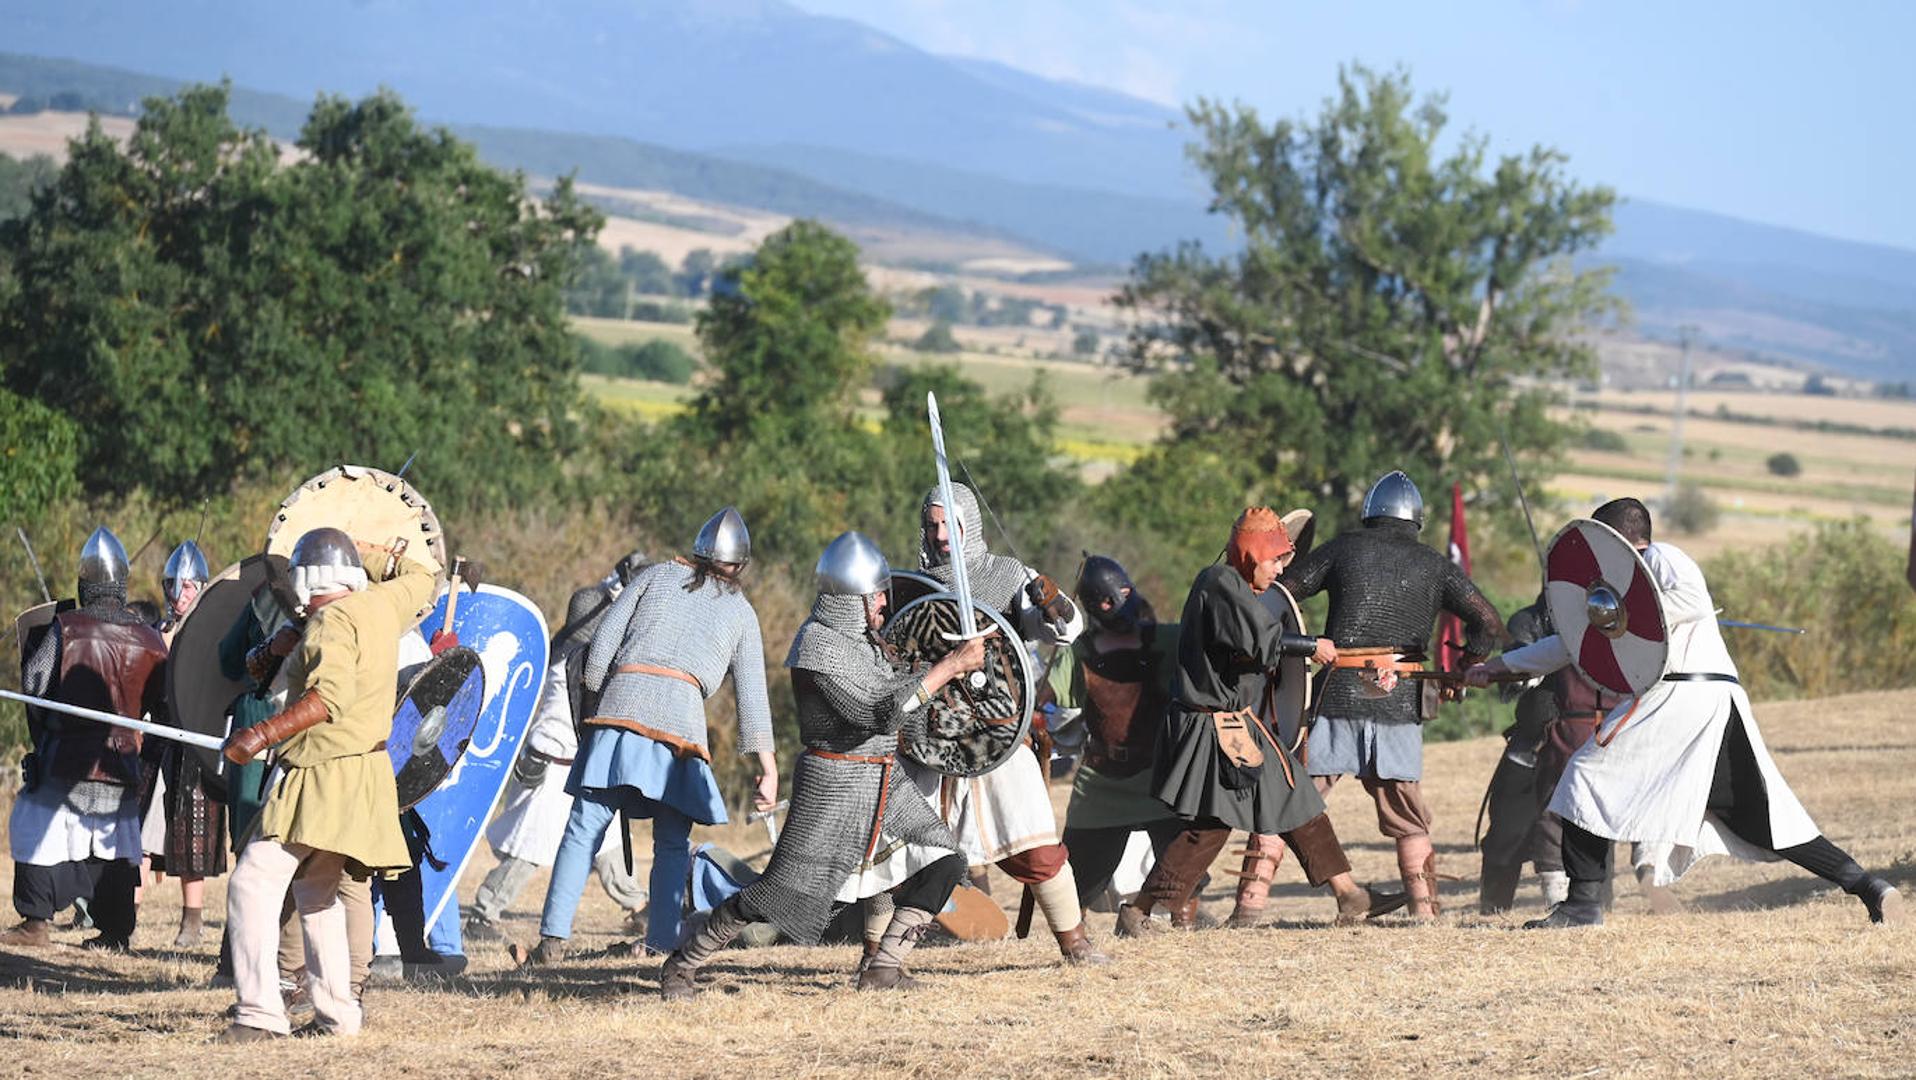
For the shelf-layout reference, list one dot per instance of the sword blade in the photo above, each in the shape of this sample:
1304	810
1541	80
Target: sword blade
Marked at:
960	577
35	560
1741	625
162	731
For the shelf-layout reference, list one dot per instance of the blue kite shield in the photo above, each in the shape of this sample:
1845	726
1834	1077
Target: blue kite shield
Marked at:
508	633
434	722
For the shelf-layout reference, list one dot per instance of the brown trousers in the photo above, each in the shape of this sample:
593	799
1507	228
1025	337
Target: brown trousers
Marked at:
1177	873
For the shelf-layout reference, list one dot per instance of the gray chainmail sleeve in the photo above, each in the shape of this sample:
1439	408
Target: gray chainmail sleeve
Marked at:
748	685
881	706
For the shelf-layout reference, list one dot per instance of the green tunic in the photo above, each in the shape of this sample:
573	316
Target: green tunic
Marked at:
1101	800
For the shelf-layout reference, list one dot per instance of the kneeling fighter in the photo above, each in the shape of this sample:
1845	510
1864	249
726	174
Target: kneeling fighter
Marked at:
847	790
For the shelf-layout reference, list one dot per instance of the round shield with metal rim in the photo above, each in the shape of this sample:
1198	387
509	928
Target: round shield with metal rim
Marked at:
373	506
909	585
1286	700
199	696
1604	604
1301	526
969	730
434	723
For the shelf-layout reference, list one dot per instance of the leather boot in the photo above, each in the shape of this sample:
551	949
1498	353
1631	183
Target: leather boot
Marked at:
1134	921
678	976
549	950
887	969
1583	908
1355	909
1497	891
1189	915
1077	949
30	934
1882	901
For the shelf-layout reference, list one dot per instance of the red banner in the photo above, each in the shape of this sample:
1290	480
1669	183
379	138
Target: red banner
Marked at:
1450	629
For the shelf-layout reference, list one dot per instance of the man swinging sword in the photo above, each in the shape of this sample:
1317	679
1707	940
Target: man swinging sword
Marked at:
847	790
1681	766
1005	816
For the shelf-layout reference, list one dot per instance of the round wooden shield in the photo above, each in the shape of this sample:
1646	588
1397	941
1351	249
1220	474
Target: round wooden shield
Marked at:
1301	526
970	730
434	723
1604	604
1286	700
373	507
199	695
909	585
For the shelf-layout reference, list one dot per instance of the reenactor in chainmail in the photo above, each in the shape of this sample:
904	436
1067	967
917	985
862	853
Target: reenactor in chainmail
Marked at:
665	647
1005	816
847	790
1386	591
75	827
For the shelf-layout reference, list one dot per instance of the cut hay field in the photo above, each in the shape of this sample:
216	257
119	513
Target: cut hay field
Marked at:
1768	973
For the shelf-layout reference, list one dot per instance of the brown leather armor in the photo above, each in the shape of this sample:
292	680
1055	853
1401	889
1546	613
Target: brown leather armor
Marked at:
111	667
1128	702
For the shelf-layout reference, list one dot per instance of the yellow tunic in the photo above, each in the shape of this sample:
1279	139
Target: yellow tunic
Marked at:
338	793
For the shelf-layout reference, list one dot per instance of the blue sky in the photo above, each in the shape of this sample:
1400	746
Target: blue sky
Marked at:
1799	114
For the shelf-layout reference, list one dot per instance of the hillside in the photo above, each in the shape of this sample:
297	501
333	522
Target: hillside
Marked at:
755	103
1767	973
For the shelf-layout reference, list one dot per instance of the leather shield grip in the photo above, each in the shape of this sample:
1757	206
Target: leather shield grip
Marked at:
245	745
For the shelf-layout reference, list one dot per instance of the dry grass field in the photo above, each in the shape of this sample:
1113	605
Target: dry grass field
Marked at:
1769	973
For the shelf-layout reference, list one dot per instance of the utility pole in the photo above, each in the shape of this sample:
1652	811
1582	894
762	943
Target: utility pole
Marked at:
1685	334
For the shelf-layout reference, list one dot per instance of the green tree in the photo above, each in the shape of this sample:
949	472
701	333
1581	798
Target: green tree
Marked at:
201	309
39	455
1784	464
695	271
1392	306
1084	342
19	179
937	338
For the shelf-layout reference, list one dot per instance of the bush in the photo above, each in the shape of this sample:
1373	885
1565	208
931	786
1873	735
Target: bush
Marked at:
1084	343
1605	440
1692	511
938	339
1784	464
658	360
1844	584
39	457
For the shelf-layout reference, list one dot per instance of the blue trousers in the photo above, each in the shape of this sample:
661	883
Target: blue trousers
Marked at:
592	813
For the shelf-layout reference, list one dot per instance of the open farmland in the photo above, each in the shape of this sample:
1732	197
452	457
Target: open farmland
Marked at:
1768	973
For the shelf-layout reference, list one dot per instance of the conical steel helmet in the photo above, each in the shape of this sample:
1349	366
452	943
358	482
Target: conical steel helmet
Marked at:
852	565
723	538
1395	496
187	563
103	559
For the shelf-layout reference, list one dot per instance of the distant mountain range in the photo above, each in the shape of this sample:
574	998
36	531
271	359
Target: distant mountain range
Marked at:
757	103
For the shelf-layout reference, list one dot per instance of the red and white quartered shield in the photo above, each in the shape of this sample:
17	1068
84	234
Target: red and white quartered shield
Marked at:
1604	604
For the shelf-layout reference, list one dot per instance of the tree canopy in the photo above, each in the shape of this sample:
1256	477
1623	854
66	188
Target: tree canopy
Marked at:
202	307
1393	306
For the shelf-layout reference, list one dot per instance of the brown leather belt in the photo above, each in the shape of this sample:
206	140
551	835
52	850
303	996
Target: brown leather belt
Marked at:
884	786
663	672
547	758
1376	659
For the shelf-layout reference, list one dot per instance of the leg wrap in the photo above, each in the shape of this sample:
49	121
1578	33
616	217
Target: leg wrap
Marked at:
724	924
907	926
1058	899
1176	875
